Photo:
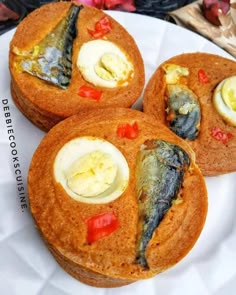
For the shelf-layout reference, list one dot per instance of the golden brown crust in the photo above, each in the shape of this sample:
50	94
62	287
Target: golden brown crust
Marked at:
212	156
61	220
41	119
87	276
40	98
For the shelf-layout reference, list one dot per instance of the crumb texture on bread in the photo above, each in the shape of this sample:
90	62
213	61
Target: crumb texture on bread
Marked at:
61	220
38	98
214	157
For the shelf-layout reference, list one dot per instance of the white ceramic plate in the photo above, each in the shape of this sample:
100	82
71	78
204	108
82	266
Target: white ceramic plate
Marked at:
27	267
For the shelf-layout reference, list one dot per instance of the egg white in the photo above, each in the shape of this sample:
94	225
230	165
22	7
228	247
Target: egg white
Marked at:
78	148
225	111
89	57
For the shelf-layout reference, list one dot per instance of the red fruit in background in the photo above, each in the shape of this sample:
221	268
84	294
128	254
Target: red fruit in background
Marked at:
212	9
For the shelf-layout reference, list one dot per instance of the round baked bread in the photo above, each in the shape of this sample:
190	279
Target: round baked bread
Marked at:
110	256
215	144
46	103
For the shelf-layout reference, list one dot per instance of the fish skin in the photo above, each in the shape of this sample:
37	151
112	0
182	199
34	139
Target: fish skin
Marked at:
53	60
184	125
159	175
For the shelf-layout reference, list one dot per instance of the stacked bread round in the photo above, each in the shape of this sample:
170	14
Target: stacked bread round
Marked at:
61	218
215	145
46	104
90	182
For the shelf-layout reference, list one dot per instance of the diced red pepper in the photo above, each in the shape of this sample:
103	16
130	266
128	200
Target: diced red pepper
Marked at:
86	91
102	27
202	77
127	130
96	34
100	226
103	24
220	135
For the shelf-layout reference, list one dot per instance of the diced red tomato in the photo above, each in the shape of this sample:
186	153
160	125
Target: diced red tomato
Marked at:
102	27
202	77
127	130
100	226
220	135
86	91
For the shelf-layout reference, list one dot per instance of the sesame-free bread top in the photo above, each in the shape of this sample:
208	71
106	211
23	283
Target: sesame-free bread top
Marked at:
212	156
36	96
111	261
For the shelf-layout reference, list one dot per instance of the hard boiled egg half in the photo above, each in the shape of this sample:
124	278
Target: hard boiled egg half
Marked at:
91	170
104	64
224	99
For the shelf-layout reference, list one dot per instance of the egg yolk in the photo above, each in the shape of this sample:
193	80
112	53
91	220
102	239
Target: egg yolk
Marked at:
91	174
111	67
228	93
